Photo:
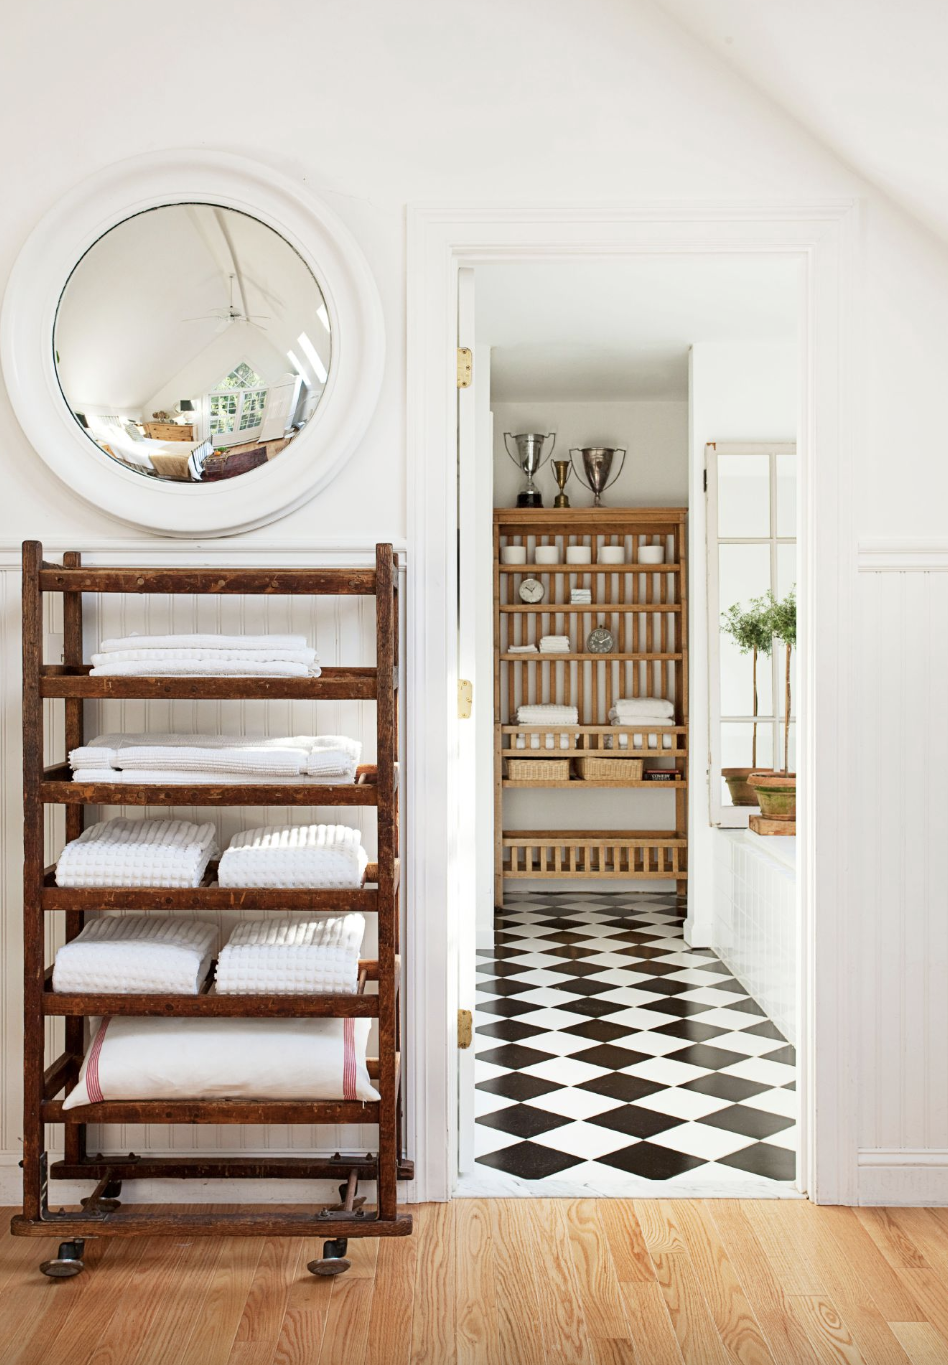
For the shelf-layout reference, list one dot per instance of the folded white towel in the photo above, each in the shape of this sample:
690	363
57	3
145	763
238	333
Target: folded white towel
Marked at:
554	644
209	666
189	777
136	954
333	758
260	656
521	649
137	853
637	708
294	856
241	642
248	757
280	957
547	713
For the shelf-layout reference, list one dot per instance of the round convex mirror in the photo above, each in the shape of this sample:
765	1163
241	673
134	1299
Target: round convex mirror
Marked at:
192	343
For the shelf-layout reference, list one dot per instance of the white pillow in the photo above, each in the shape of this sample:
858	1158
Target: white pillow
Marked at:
178	1059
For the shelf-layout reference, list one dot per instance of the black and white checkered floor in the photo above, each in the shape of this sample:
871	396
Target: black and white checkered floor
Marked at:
604	1041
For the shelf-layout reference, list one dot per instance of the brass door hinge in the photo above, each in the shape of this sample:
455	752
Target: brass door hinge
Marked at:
465	698
465	367
465	1028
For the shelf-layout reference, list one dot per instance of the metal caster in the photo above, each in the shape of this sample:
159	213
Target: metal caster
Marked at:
67	1263
333	1259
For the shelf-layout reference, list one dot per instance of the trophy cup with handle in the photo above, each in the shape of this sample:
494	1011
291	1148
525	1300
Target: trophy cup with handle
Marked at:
597	466
562	469
529	457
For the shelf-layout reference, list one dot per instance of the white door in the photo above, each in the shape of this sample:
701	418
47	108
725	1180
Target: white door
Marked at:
475	666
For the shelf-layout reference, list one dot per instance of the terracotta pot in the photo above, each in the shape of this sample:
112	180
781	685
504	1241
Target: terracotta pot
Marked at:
777	794
741	793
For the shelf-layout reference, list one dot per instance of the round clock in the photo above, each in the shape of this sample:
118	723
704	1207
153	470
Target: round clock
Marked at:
531	590
600	641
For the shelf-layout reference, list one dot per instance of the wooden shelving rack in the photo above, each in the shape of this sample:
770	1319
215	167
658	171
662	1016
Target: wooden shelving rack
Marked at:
71	682
645	607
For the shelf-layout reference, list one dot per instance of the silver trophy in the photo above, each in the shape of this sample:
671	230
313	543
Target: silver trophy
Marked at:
597	466
529	457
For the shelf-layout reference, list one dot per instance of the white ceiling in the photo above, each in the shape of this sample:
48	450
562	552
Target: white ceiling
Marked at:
867	77
619	330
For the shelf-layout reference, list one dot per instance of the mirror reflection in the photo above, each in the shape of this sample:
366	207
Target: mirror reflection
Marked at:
192	343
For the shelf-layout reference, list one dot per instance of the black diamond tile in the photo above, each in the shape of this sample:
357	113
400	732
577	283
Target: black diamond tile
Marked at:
562	937
710	1058
502	954
504	986
716	966
562	922
730	984
747	1006
619	1087
652	1162
732	1088
517	1086
660	985
751	1123
600	1030
573	968
765	1029
787	1055
570	951
635	1122
608	1055
510	1030
508	967
514	1056
595	1009
585	986
776	1163
641	952
653	968
523	1120
507	1007
686	1009
792	1085
529	1161
691	1030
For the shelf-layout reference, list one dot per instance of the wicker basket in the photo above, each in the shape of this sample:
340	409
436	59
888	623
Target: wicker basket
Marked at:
538	769
596	769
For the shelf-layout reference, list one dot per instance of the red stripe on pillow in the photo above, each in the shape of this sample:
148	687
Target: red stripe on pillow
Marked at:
348	1060
92	1070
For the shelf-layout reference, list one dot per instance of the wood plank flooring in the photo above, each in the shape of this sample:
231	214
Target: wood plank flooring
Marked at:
508	1282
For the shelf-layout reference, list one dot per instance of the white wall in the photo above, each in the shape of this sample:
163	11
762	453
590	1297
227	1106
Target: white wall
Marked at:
374	106
739	392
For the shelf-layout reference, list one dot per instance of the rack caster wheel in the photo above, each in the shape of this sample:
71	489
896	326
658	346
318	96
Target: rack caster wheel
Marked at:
333	1259
67	1263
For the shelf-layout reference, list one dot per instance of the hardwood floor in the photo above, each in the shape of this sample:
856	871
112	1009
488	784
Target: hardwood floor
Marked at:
508	1282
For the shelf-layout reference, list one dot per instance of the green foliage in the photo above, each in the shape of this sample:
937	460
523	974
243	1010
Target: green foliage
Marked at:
783	618
750	628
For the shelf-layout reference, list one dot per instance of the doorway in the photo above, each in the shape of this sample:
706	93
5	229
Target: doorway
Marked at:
442	241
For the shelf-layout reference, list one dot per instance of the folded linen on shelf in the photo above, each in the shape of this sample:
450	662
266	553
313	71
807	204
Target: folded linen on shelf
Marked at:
294	856
224	758
638	708
188	777
136	954
554	644
124	852
280	957
522	649
547	713
206	667
260	656
275	1059
274	656
580	597
240	642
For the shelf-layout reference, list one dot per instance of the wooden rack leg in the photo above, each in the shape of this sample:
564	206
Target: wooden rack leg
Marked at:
387	745
74	1143
34	1156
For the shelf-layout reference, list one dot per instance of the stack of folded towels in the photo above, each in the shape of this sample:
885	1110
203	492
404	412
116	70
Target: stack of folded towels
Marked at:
217	759
521	649
159	656
135	955
650	713
554	644
546	714
580	597
283	957
124	852
294	856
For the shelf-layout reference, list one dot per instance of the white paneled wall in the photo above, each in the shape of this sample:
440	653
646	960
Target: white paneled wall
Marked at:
343	631
900	797
755	923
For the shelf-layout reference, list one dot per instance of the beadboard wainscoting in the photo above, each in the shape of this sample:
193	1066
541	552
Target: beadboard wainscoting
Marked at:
900	806
755	921
343	632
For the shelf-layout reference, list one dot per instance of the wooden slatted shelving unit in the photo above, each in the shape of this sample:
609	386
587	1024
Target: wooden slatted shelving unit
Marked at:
645	607
377	786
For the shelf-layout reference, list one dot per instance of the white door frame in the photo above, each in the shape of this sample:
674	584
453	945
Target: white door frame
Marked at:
823	236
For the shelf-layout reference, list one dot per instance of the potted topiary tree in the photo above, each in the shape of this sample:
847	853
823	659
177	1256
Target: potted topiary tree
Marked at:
777	791
750	629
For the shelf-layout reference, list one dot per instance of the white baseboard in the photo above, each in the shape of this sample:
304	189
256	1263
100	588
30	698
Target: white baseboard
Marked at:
903	1175
484	939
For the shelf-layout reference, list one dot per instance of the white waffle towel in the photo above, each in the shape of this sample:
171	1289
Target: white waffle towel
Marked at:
631	709
212	758
294	856
241	642
137	853
188	777
260	656
554	644
547	714
206	665
280	957
136	954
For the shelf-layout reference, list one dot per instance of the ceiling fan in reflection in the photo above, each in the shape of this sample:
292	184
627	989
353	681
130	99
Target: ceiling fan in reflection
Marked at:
225	316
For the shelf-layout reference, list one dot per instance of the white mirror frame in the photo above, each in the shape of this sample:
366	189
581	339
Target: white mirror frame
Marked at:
331	435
